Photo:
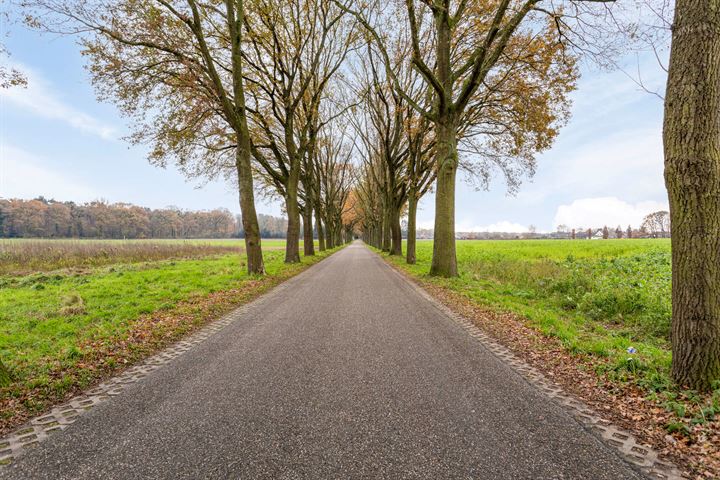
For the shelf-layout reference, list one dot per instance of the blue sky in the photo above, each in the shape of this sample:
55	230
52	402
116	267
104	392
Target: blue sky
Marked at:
57	140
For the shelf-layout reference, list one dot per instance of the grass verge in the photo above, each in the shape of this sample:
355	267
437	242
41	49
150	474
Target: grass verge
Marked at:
594	316
62	332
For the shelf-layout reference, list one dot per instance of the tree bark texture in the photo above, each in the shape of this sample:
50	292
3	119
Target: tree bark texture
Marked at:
386	234
444	261
308	240
253	248
395	231
691	137
320	231
292	245
412	228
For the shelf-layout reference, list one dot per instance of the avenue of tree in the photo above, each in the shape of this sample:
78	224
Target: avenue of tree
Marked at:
349	112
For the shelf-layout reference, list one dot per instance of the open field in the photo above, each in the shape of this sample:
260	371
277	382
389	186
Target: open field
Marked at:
62	330
607	302
18	256
598	297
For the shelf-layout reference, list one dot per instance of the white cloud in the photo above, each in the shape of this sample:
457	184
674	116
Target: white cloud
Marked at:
428	224
21	176
468	226
40	98
611	211
626	163
502	226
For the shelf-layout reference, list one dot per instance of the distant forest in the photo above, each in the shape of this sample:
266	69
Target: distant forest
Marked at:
42	218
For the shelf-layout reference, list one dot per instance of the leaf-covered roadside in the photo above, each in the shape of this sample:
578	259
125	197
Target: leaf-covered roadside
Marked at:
42	382
682	425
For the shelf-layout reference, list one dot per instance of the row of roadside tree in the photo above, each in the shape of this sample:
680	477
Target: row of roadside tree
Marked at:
312	100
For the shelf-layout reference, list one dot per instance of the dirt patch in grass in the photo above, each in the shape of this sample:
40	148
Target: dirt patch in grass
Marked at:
665	424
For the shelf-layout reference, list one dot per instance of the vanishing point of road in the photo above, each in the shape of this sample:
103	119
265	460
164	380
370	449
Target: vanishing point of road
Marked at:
344	372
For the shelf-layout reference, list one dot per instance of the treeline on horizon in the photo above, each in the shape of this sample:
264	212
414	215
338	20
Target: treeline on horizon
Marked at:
42	218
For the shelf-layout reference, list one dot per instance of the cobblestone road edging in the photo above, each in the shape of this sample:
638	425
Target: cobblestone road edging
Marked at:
641	455
62	416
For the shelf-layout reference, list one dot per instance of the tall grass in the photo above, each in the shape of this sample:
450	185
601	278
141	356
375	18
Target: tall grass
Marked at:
596	297
19	257
624	285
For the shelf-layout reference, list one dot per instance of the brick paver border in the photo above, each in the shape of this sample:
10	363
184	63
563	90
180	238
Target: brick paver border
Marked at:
62	416
641	455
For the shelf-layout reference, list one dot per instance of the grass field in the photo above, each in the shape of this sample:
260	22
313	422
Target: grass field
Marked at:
18	256
597	297
596	316
606	300
61	330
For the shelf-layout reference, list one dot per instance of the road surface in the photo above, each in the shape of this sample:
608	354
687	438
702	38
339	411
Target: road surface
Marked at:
345	372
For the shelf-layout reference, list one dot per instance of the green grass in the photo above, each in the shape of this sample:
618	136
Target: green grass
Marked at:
596	297
49	321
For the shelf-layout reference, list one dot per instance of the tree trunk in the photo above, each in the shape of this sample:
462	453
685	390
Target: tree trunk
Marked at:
320	230
253	247
329	240
444	261
292	245
412	228
5	377
308	241
386	233
396	232
691	136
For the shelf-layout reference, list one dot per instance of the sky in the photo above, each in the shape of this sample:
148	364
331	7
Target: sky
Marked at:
58	141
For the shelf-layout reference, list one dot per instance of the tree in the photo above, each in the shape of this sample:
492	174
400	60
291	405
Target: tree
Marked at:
619	232
421	174
657	223
605	233
468	57
9	76
336	174
51	218
572	234
295	47
380	123
691	137
185	91
629	232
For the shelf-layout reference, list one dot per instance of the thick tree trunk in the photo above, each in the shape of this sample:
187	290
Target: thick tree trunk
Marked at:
308	241
412	228
292	245
329	240
5	377
253	248
396	232
320	231
444	261
691	136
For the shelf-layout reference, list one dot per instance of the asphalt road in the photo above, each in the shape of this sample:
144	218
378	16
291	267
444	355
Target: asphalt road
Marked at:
344	372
